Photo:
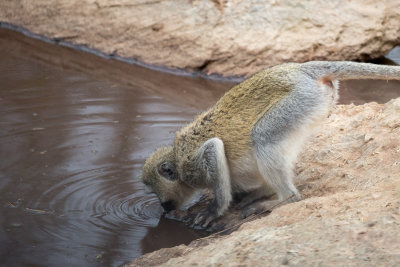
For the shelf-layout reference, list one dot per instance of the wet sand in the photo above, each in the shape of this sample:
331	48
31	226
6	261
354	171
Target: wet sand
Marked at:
75	130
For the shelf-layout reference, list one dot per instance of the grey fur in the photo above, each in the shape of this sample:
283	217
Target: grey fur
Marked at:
346	70
296	113
291	112
213	165
305	95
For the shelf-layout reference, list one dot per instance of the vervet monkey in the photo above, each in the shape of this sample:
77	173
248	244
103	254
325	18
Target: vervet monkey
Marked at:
249	140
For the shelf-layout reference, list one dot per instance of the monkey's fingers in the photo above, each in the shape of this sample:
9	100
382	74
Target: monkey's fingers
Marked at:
200	218
208	220
203	219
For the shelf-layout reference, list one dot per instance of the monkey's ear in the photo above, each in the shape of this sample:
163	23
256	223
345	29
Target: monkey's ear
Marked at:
168	170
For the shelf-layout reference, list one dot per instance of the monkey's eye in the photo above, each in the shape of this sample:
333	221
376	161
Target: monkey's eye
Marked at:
167	170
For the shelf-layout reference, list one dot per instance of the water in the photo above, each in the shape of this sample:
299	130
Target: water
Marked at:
72	148
75	130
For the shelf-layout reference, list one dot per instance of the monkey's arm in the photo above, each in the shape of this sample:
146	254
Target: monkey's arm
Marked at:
213	165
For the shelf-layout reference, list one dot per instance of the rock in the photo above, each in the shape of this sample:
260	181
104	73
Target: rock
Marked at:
349	178
228	37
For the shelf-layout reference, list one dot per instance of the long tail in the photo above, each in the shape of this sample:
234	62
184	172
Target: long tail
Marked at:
345	70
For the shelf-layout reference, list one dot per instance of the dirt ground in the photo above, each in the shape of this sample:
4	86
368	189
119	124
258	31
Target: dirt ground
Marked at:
349	178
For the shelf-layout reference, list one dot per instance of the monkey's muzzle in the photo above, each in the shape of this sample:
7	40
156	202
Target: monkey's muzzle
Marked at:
168	206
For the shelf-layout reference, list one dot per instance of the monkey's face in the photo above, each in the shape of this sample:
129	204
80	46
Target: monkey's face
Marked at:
161	177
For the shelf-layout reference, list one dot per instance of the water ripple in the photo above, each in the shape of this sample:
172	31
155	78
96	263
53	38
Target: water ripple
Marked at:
102	199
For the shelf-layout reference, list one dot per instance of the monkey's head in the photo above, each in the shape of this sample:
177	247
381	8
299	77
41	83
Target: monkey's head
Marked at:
161	177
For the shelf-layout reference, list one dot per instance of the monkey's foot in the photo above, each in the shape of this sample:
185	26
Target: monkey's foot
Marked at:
257	194
247	200
251	198
260	207
204	218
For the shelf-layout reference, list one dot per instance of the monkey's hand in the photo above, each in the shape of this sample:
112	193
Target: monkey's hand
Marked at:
205	217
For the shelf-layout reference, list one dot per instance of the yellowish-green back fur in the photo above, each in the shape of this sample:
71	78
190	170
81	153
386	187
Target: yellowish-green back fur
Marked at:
233	117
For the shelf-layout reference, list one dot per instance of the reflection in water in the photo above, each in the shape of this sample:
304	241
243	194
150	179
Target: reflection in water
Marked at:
359	92
72	148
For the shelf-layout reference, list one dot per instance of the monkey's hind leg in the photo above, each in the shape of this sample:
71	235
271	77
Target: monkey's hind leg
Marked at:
277	172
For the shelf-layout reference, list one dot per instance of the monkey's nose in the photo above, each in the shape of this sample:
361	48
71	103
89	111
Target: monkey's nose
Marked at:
168	206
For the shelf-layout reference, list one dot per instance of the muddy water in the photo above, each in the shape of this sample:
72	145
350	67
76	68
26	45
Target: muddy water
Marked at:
75	130
72	148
